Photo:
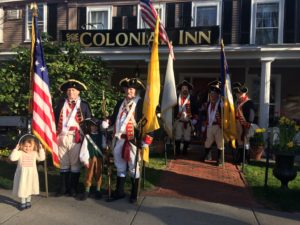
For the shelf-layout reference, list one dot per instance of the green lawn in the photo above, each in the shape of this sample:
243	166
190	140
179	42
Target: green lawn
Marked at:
273	196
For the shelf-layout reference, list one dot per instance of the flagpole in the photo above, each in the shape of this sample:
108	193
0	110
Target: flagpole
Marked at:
222	113
34	9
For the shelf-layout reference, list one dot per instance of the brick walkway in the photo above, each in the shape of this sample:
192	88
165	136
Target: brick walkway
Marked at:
187	177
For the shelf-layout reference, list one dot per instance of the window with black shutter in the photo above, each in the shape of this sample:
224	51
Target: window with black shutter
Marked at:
81	18
170	15
125	18
245	21
52	24
227	21
289	21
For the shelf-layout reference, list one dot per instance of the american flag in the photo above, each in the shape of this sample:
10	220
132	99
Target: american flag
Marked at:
43	125
149	16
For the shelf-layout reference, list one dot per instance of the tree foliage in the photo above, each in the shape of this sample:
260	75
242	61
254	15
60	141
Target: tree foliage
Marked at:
64	61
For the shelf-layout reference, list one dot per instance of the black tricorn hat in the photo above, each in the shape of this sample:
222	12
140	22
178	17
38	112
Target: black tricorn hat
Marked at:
72	83
237	87
131	83
215	86
185	83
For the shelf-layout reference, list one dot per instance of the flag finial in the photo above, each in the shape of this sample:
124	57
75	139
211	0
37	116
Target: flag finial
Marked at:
34	8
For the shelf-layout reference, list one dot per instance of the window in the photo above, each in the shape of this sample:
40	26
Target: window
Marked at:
98	18
125	17
267	22
206	13
42	20
161	11
1	24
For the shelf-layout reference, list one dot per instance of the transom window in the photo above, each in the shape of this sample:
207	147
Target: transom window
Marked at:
267	22
98	18
206	13
42	20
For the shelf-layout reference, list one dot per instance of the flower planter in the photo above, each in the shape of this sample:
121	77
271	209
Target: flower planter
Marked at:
284	169
256	152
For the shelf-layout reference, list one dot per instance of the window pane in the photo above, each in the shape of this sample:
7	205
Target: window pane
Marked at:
99	20
267	17
266	36
206	16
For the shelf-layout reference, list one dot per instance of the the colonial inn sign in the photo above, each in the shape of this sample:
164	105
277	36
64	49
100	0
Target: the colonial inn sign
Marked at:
141	37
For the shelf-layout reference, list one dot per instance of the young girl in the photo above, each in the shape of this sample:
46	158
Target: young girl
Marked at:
26	180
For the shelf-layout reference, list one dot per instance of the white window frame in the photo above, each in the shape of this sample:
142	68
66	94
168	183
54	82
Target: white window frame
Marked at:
253	19
90	9
161	6
1	24
27	31
217	3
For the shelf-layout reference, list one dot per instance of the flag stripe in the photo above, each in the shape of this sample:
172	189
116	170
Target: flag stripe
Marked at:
149	16
43	124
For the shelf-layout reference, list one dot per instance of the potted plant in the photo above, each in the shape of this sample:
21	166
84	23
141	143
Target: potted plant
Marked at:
257	144
284	149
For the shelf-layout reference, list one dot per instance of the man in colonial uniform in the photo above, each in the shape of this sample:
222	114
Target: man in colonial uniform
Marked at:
245	114
68	114
126	117
183	114
213	121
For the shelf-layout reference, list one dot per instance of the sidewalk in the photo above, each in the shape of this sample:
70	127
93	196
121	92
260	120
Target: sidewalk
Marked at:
190	192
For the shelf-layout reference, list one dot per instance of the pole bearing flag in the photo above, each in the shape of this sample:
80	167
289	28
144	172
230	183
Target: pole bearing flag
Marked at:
149	16
43	122
169	98
229	122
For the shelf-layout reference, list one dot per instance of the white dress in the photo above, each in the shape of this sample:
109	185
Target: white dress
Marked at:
26	180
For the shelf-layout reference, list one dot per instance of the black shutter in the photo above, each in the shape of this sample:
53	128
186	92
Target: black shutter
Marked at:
245	21
187	14
170	15
117	23
52	23
81	18
297	22
227	21
289	22
131	22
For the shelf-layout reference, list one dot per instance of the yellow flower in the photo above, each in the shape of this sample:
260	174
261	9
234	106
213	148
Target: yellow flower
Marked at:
290	144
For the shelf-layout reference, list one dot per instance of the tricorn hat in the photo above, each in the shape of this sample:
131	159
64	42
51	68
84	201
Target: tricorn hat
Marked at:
215	86
72	83
185	83
237	87
131	83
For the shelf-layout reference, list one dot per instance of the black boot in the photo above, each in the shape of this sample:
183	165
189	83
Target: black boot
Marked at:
206	155
219	158
177	148
239	156
119	192
134	190
74	184
185	147
64	184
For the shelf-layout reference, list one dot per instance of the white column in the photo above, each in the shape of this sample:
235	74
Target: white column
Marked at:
265	85
1	24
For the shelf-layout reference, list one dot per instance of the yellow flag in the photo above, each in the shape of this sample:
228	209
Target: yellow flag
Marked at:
151	100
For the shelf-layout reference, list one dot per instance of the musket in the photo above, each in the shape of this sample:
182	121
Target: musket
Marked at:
141	124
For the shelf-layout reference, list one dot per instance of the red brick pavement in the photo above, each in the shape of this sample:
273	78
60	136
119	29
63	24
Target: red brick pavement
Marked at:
187	177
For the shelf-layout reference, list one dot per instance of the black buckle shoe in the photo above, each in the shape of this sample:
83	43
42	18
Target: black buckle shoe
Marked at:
22	206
